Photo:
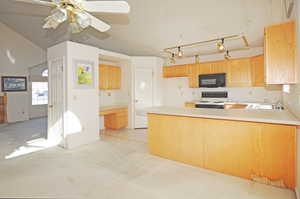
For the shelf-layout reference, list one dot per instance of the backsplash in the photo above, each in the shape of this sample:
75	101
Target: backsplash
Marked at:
177	92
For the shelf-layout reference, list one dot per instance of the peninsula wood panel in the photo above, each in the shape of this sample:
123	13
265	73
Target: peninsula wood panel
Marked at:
258	71
257	151
109	77
280	53
175	71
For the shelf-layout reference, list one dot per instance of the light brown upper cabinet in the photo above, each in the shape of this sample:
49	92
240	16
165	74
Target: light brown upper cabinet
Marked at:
193	77
194	70
280	53
239	72
257	71
175	71
109	77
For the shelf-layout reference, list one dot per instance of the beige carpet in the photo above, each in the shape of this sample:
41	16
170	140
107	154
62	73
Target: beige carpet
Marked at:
115	168
138	135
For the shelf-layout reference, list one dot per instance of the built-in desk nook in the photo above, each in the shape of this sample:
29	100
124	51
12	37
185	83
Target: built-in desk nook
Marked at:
115	117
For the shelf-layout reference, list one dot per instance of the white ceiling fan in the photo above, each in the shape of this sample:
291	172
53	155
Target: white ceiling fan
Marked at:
77	11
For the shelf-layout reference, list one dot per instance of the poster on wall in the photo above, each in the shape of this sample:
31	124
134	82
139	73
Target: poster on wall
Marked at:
13	84
84	74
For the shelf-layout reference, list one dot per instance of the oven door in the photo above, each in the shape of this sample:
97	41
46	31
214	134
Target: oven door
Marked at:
212	80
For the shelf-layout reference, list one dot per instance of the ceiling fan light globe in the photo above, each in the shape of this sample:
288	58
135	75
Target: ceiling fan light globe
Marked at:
75	28
59	14
83	19
51	24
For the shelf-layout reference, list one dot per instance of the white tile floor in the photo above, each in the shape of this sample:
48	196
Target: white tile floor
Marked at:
115	168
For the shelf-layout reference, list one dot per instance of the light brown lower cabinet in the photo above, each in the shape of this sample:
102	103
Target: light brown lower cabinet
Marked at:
265	153
3	109
115	119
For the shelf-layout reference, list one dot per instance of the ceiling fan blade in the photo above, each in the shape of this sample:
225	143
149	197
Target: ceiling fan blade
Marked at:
38	2
121	7
98	24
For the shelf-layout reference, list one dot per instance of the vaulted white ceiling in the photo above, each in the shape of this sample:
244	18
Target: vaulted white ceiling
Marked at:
153	25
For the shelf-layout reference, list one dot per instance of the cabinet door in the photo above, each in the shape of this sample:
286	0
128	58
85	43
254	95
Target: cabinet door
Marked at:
193	76
204	68
175	71
118	77
257	71
239	72
219	67
103	80
280	53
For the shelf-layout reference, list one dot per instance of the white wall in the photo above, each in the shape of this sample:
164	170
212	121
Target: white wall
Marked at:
17	54
81	105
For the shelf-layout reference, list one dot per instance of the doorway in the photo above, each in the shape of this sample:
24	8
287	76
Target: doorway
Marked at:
143	95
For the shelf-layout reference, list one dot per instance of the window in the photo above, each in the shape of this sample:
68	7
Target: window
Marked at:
39	93
45	73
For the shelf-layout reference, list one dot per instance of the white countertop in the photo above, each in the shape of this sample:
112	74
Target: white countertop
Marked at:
114	106
264	116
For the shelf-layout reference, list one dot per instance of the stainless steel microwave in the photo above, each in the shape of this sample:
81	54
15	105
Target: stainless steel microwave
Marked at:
212	80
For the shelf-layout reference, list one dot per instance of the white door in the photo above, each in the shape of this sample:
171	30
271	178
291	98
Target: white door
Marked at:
56	102
143	95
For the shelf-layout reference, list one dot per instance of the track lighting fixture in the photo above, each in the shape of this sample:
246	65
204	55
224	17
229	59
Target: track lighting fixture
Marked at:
221	46
227	56
172	59
197	59
180	53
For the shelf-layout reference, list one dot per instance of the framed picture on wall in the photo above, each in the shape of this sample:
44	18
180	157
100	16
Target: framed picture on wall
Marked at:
84	74
13	84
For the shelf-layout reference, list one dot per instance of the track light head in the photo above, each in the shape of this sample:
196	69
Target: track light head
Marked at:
172	59
227	56
220	45
180	53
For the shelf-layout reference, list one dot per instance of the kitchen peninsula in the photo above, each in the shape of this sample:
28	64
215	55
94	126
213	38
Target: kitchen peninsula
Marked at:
259	145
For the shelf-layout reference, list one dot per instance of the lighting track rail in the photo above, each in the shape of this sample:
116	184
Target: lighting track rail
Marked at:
220	47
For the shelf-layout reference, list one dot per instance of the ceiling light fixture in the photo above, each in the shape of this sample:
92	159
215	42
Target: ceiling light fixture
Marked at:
220	45
227	56
172	59
197	59
180	53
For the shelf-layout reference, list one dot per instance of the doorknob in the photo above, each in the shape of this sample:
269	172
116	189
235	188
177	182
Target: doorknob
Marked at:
136	101
50	106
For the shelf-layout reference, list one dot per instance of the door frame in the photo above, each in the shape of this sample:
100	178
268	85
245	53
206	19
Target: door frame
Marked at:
59	139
